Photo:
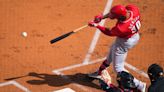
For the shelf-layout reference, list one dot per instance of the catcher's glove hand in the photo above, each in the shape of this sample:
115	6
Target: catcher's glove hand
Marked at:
106	77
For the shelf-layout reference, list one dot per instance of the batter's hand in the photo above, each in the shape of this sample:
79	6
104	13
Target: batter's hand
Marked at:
92	24
98	18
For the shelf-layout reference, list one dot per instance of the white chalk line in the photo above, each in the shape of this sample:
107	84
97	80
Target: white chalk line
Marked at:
21	87
77	65
65	90
97	61
15	84
97	33
136	70
6	83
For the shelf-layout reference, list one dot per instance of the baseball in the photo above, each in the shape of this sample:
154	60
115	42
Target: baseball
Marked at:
24	34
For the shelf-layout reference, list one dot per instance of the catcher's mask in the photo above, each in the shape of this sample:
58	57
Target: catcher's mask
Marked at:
155	72
125	80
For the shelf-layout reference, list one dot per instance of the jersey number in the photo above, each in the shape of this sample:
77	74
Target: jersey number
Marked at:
136	27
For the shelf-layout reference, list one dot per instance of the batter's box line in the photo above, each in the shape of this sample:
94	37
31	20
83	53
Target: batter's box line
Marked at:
77	65
57	71
15	84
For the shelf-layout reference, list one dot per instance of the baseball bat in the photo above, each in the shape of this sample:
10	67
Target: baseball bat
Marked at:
67	34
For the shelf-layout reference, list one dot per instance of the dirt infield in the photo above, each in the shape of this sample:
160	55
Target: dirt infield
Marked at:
27	63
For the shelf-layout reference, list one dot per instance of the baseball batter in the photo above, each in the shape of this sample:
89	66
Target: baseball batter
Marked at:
126	30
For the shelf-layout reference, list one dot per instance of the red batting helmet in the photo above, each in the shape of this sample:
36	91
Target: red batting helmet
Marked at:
117	11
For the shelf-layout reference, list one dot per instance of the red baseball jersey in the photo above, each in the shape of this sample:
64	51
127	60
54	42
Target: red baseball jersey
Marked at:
126	28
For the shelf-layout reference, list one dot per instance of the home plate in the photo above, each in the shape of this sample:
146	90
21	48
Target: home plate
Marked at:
65	90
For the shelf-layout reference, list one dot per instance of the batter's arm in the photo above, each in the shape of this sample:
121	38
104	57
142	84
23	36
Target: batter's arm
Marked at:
107	31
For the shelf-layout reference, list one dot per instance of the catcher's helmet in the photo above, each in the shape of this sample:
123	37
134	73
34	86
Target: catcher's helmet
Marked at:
125	80
154	72
117	12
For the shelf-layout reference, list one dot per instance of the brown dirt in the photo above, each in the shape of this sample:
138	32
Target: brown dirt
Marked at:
46	19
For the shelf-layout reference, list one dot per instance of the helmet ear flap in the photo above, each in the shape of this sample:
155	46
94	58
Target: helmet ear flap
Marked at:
122	18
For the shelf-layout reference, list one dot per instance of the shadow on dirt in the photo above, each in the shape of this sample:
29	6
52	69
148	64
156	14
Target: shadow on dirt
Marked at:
59	80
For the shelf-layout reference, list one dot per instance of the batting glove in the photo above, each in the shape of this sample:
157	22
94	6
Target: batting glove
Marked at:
92	24
98	18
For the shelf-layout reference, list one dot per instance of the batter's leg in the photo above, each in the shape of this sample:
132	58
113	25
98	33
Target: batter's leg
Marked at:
108	61
104	65
119	53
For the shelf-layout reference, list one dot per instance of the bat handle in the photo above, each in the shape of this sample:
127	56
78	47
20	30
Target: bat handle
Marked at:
78	29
